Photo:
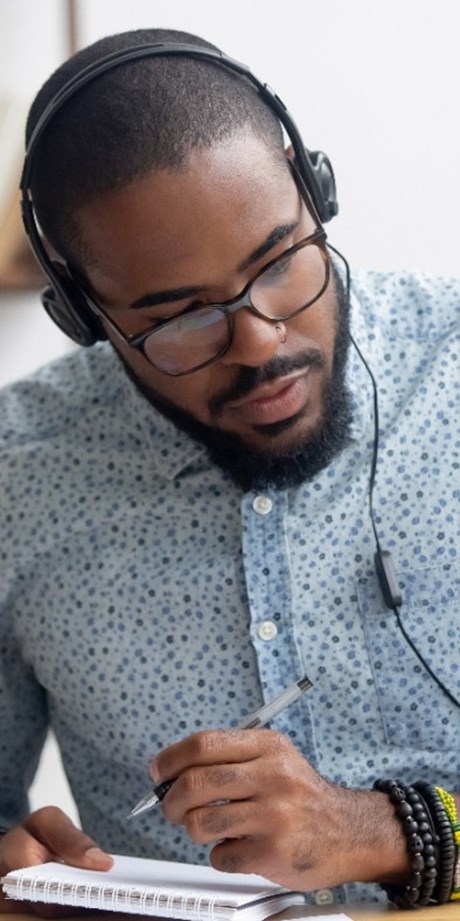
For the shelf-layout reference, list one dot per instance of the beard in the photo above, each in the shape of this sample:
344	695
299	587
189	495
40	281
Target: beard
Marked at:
255	468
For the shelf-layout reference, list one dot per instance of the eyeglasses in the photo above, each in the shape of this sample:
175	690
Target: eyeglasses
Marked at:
282	289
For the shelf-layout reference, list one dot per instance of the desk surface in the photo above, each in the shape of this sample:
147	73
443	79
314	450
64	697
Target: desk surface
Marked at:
376	913
447	912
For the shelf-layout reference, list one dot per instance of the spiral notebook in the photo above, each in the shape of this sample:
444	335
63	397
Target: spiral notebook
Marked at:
153	887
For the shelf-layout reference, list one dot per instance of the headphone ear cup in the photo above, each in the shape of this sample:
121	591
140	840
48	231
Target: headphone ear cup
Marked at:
325	182
69	309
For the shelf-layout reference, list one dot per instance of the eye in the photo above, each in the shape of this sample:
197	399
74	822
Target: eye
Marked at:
155	321
195	305
279	269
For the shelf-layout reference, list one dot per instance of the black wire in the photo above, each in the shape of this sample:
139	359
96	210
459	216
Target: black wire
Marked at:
373	470
375	446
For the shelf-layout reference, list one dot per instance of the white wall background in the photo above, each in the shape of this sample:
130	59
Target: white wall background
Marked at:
375	83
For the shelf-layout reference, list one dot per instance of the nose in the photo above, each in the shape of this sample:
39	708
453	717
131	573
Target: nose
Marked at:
255	339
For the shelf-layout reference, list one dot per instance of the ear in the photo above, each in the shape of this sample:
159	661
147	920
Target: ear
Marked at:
289	151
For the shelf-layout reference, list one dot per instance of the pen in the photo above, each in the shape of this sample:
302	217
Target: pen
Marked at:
259	718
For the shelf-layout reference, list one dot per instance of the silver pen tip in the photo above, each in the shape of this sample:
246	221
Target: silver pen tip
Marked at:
146	803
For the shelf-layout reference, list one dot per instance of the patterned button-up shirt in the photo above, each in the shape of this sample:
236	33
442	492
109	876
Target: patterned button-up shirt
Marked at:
143	596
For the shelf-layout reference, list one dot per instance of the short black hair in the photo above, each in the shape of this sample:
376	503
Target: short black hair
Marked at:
146	114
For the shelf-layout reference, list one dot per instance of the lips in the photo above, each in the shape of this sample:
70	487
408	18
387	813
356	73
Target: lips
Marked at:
274	401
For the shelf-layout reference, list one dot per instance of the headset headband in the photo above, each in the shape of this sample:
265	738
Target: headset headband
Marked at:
65	302
124	56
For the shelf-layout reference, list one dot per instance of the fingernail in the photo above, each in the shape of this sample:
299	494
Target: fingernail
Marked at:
153	771
95	855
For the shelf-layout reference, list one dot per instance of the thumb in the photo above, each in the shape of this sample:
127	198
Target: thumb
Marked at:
53	829
95	859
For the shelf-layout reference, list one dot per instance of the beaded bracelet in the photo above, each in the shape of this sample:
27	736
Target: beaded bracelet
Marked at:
446	863
421	844
451	808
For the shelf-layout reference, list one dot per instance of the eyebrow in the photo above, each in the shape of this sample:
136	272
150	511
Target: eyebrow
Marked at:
177	294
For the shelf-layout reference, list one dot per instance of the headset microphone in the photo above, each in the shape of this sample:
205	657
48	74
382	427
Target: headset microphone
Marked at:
387	578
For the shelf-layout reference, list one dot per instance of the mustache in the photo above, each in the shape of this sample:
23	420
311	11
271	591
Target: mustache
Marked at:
251	378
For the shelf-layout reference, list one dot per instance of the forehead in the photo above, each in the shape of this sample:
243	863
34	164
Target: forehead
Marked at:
174	223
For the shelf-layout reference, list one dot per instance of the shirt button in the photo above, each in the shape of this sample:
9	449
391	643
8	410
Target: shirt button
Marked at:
267	630
324	897
262	505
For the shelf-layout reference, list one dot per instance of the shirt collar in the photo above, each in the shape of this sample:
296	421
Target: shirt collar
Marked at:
169	449
357	376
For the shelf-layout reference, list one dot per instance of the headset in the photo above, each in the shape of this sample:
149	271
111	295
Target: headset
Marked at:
68	306
64	300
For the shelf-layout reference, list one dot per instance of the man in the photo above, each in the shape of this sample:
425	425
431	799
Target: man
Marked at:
187	526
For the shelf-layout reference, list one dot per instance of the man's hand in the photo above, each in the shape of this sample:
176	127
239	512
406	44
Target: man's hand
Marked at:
47	834
267	811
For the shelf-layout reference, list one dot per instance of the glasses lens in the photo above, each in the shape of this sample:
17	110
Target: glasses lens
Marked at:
188	342
285	288
292	283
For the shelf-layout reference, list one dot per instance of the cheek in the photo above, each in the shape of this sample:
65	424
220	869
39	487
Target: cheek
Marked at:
316	327
190	393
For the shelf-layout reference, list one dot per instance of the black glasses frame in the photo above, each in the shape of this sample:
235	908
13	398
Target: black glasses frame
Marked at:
227	308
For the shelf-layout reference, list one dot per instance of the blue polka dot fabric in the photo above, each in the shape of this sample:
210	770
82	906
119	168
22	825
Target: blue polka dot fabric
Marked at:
143	596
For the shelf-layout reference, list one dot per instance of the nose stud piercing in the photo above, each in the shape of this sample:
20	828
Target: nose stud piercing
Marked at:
281	329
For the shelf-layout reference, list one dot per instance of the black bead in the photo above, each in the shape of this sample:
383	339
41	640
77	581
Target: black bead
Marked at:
418	862
404	809
415	844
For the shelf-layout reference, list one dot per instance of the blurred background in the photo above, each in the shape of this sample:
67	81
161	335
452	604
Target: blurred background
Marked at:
374	83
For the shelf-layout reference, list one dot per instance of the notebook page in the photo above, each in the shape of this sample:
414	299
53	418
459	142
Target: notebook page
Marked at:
142	879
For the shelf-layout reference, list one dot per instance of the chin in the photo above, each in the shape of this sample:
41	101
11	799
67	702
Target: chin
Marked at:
285	435
283	454
289	464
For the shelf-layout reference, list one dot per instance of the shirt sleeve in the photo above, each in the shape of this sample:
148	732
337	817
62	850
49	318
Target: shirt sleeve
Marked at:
23	724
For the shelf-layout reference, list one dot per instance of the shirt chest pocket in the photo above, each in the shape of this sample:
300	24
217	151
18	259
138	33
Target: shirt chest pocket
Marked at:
415	711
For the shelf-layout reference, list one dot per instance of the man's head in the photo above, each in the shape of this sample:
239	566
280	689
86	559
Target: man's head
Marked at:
147	114
164	186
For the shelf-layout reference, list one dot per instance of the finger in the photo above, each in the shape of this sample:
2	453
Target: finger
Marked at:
257	854
279	774
57	833
225	820
200	786
248	818
19	848
24	850
217	746
238	855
